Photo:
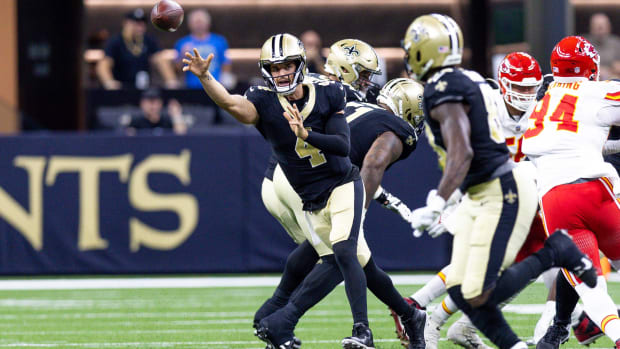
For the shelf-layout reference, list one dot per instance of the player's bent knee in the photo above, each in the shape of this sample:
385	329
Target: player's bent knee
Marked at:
480	300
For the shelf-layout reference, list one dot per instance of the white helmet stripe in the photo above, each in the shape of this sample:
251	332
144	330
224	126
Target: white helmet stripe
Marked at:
277	46
452	31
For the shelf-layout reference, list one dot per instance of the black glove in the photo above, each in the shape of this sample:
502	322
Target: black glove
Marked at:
547	79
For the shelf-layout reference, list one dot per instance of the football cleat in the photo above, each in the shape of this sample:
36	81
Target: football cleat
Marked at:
586	330
400	333
296	344
361	338
556	335
432	333
277	333
618	344
414	329
567	255
463	333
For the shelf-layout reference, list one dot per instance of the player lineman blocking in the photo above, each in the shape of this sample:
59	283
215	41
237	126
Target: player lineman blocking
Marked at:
492	221
304	124
566	133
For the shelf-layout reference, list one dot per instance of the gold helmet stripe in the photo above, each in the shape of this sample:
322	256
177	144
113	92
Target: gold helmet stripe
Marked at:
451	27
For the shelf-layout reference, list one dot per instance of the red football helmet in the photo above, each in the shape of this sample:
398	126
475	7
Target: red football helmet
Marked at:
574	56
522	71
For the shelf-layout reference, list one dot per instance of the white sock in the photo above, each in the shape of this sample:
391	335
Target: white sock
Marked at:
519	345
545	321
442	312
600	308
549	277
433	289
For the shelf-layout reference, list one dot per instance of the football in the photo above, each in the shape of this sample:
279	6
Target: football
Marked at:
167	15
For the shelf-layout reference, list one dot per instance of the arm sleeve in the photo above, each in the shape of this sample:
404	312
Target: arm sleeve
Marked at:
336	138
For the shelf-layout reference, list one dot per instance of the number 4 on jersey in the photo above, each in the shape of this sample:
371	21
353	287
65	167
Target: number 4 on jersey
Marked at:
305	150
563	114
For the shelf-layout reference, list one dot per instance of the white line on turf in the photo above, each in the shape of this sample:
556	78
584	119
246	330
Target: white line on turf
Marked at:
182	282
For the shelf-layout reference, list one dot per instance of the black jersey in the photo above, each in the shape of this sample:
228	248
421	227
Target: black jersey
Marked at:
367	122
311	172
614	159
487	141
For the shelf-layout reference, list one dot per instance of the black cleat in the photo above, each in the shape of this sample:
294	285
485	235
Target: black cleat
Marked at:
567	255
361	338
414	327
277	334
556	335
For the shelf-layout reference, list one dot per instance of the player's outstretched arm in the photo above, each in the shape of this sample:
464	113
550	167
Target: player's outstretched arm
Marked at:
237	105
455	131
386	149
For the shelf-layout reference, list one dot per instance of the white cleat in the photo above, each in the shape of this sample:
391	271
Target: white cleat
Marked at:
432	333
463	333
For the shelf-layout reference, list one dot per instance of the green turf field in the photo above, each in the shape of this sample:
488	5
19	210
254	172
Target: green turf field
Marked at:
197	318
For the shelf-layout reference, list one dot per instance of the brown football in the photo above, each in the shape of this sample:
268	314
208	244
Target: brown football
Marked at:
167	15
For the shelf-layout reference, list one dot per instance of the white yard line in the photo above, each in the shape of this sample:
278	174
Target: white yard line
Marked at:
181	282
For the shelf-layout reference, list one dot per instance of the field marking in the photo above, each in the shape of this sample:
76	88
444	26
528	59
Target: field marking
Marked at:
160	344
182	282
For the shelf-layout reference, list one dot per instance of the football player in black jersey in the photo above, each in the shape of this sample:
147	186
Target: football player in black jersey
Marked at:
305	125
494	217
381	137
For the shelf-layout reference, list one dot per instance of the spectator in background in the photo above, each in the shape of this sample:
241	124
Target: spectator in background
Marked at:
152	117
129	54
314	57
607	45
201	38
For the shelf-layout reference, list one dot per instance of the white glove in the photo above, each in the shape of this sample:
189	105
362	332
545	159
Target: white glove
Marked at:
438	228
424	217
393	203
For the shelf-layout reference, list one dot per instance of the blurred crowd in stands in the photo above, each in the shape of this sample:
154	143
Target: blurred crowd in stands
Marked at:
134	60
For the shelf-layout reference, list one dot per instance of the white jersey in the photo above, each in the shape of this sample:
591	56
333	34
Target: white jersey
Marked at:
567	130
513	129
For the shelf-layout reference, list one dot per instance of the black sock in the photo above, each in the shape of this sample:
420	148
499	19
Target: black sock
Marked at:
298	264
515	278
488	319
380	284
354	279
565	300
323	278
